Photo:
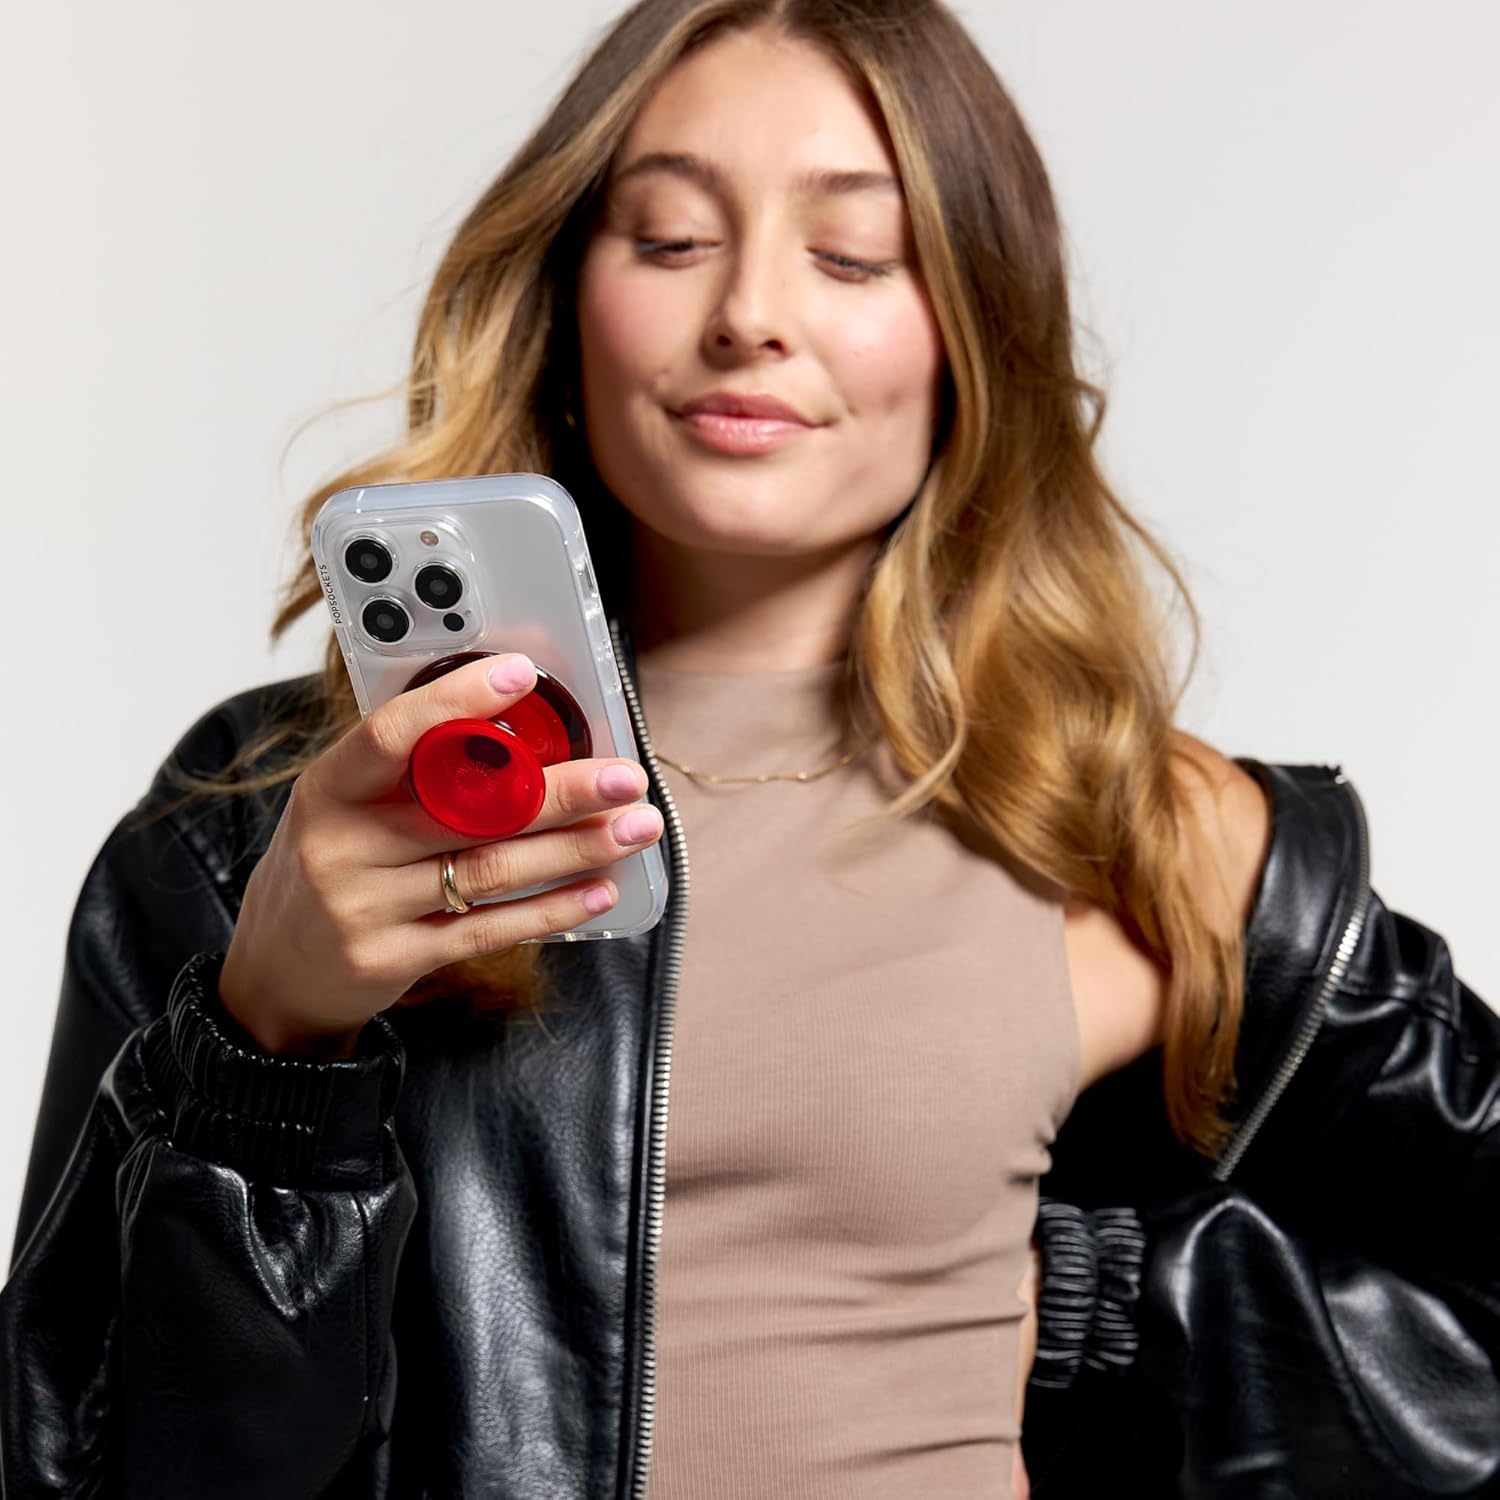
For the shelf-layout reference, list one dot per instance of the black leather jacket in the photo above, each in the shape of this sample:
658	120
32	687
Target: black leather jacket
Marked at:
428	1271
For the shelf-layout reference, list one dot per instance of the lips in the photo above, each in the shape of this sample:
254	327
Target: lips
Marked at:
728	404
743	426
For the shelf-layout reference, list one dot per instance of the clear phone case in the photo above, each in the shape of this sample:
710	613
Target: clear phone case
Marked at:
514	544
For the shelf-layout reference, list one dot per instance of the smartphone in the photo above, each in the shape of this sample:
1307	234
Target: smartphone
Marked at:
417	573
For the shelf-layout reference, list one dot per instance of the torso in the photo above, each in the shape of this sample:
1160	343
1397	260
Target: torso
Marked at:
874	1046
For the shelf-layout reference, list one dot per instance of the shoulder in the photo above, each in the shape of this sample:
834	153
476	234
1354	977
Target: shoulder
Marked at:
232	726
1119	991
166	881
1227	829
217	794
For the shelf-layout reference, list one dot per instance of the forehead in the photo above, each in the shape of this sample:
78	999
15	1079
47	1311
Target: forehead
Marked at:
761	104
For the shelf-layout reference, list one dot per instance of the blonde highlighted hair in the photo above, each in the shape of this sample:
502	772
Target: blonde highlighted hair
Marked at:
1008	647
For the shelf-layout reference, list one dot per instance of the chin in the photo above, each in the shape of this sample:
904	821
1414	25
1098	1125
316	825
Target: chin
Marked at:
726	515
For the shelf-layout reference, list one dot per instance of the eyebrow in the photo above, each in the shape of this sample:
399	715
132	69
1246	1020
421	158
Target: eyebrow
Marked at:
708	176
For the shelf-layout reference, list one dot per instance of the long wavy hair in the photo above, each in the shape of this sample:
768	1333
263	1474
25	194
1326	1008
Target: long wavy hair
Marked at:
1009	646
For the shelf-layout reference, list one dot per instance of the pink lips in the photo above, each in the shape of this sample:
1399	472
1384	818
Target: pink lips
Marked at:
730	423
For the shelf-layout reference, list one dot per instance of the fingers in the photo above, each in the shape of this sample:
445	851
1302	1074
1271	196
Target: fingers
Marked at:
492	870
400	832
448	939
580	787
370	760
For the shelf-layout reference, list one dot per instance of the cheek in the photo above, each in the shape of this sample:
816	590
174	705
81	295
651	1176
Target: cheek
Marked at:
625	325
892	362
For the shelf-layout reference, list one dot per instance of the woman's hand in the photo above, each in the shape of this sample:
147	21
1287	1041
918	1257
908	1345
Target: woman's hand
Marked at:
1020	1482
345	910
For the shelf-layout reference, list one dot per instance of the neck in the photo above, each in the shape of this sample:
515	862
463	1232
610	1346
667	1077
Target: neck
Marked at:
697	611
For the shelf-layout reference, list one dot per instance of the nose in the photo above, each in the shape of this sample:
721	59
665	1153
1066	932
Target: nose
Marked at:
751	310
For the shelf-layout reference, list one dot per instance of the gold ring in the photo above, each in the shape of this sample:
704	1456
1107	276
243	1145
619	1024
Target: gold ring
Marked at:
451	898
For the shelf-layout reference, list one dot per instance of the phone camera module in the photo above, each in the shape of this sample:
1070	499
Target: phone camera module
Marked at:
368	560
385	620
438	587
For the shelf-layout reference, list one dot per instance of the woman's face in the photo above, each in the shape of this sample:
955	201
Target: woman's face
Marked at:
754	247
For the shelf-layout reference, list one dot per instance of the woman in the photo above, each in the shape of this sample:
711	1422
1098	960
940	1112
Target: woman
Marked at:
777	291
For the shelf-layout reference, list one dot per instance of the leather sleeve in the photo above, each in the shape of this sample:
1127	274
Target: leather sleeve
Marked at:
201	1294
1388	1139
165	885
1331	1315
1328	1321
205	1306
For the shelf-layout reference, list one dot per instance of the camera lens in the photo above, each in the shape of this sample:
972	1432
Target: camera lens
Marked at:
368	560
385	620
438	586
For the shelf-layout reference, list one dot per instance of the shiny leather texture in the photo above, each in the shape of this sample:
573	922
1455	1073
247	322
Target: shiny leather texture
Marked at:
1326	1322
419	1273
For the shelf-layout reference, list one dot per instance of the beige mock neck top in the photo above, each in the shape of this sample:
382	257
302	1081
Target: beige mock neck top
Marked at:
874	1047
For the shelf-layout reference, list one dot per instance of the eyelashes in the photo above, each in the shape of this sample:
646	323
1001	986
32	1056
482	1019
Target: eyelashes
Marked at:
865	267
850	269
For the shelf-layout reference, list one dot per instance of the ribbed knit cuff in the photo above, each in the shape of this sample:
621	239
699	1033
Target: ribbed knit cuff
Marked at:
278	1119
1091	1282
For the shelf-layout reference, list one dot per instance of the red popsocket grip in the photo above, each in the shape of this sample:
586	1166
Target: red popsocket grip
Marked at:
483	778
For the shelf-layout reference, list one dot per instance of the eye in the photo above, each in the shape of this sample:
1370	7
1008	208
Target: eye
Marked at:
655	249
846	267
857	270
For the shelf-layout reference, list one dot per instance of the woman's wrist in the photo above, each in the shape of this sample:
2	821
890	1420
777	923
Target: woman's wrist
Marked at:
275	1034
286	1120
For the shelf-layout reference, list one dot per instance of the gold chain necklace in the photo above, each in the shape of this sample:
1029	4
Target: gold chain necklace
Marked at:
711	779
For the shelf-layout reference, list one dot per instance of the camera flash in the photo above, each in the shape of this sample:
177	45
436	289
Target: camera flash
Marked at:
429	538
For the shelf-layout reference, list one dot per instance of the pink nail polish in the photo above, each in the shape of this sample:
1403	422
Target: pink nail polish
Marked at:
597	898
638	826
512	673
618	783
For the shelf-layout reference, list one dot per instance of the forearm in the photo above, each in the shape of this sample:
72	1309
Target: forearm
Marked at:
205	1308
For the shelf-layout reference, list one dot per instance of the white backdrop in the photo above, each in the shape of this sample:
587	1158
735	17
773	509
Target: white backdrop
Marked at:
1285	230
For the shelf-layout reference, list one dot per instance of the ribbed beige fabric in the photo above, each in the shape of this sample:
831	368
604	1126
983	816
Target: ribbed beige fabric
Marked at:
874	1046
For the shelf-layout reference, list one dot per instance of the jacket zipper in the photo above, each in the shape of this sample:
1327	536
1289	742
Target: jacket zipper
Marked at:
1348	941
656	1133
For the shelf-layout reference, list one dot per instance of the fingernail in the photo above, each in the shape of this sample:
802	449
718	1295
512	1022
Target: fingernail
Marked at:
597	898
511	673
618	782
637	826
